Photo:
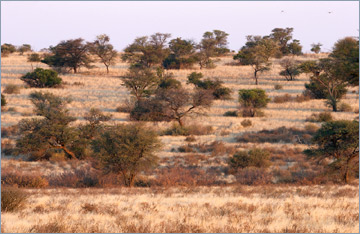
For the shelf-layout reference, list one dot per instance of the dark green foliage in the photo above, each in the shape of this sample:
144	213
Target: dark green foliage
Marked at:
295	47
3	100
39	137
147	51
316	48
42	78
283	36
70	54
231	113
251	100
12	199
182	54
104	50
346	56
94	117
253	158
127	150
218	91
339	142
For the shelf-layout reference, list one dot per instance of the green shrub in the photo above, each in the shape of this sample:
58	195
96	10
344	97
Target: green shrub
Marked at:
231	113
11	89
3	100
12	199
176	130
246	123
252	100
42	78
344	107
278	87
253	158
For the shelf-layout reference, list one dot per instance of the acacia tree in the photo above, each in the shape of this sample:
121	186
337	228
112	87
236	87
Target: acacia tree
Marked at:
282	36
40	137
127	150
213	44
316	48
339	142
33	58
256	53
104	50
7	49
142	82
182	54
291	69
71	54
24	48
147	51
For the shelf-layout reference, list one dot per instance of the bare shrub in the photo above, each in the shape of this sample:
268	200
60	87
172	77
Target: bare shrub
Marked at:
20	180
246	123
344	107
282	134
321	117
253	176
50	227
302	98
190	139
10	131
194	129
80	178
311	127
12	199
278	87
283	98
12	89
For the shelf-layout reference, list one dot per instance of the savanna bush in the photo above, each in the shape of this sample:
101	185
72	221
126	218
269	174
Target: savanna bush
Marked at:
42	78
252	158
12	199
12	89
320	117
25	181
246	123
344	107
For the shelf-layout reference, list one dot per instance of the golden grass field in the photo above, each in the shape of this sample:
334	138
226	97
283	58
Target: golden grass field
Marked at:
275	208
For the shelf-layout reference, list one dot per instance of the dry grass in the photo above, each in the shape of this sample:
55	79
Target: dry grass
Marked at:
199	209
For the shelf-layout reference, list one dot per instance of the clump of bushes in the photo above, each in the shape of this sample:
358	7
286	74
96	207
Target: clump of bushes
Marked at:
321	117
11	89
282	134
42	78
246	123
217	88
12	199
283	98
252	158
231	113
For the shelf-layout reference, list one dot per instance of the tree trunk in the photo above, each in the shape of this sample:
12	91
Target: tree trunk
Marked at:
75	69
255	75
107	69
180	122
72	155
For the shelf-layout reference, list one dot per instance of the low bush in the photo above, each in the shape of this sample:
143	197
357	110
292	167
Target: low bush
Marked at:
344	107
321	117
42	78
231	113
302	98
3	100
80	178
253	176
196	130
246	123
12	89
283	98
23	181
278	87
190	139
312	128
12	199
253	158
10	131
282	134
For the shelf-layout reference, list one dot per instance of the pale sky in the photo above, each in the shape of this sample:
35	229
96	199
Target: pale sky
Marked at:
42	24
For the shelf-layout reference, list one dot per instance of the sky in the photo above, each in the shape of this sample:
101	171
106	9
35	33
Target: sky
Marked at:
42	24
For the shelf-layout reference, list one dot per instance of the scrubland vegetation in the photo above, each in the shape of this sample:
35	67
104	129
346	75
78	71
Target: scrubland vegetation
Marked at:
175	136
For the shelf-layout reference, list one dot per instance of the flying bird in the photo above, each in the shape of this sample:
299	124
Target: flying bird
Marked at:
282	11
330	12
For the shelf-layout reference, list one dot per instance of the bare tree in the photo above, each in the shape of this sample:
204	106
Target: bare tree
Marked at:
104	50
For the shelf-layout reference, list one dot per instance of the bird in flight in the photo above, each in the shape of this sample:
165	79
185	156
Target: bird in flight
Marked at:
330	12
282	11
